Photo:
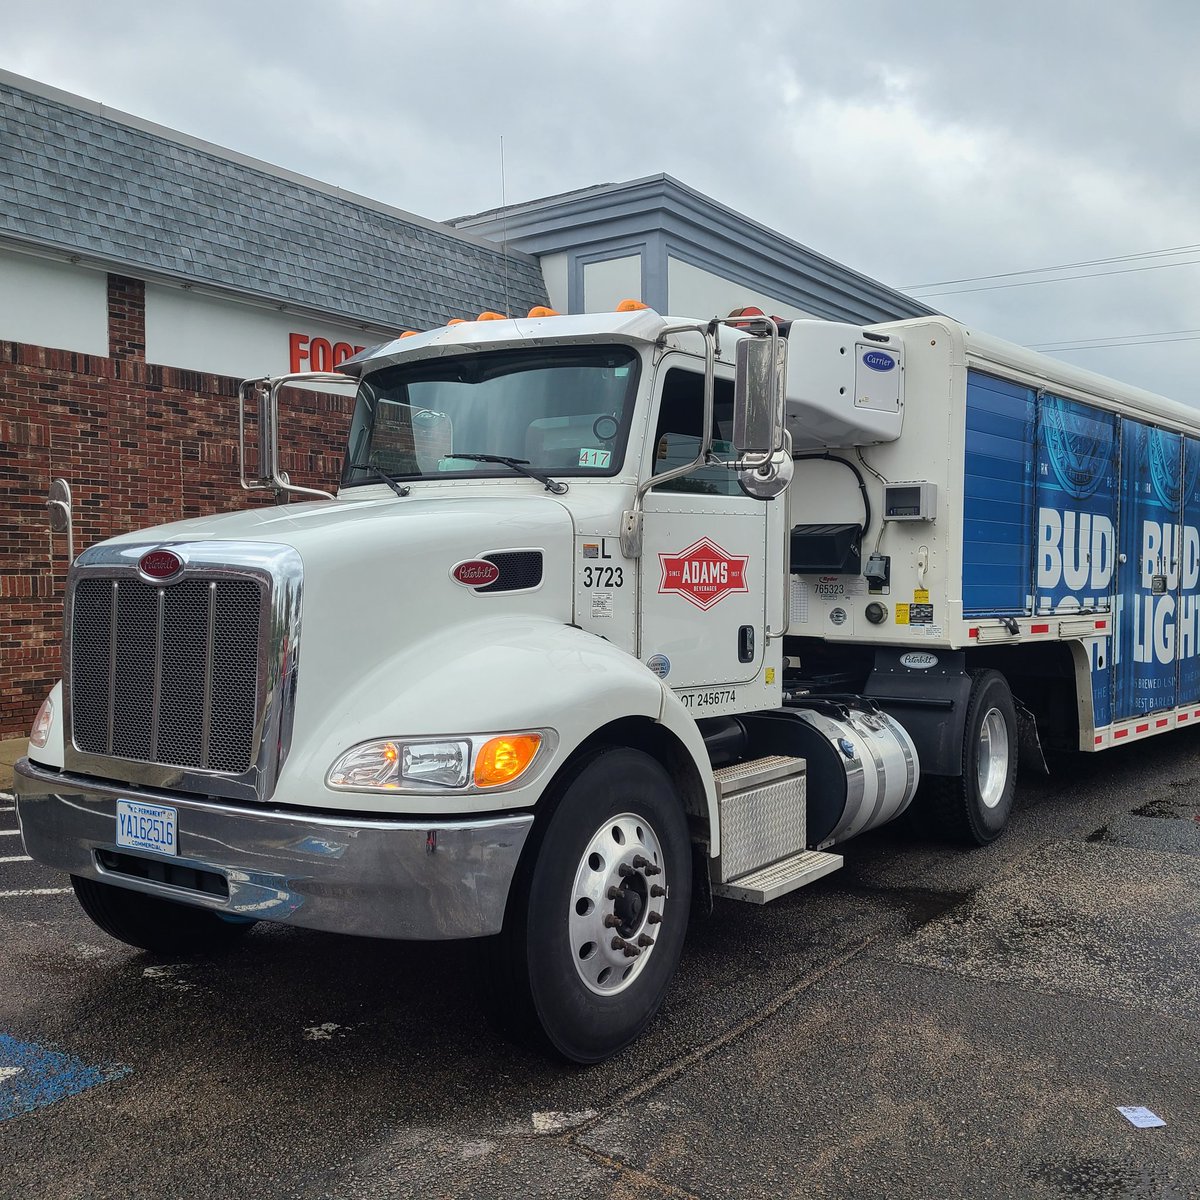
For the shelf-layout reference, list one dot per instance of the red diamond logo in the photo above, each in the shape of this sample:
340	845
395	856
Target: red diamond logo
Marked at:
703	573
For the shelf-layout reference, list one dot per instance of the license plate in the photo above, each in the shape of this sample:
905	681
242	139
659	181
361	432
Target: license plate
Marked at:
146	827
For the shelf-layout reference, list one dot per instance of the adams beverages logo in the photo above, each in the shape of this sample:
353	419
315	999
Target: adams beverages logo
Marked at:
703	574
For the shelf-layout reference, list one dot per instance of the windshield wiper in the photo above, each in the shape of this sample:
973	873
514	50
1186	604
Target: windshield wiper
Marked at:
401	489
520	465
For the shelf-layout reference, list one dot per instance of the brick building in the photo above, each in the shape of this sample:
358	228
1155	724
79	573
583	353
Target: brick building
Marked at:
144	273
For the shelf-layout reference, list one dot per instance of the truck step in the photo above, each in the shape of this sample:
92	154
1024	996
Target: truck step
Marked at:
769	883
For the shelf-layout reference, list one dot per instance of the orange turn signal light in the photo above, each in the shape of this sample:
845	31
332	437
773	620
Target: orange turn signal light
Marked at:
630	306
506	758
540	310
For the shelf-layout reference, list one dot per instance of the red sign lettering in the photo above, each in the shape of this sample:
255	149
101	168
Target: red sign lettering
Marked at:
317	353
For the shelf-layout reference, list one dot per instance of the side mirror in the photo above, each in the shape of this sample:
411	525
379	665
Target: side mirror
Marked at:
758	398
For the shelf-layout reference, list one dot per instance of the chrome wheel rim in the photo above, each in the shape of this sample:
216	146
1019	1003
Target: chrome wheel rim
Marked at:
992	767
616	904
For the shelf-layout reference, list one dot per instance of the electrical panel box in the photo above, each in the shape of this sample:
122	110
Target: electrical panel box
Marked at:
910	501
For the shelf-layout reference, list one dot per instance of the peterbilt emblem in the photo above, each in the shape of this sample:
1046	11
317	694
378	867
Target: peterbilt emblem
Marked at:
160	565
475	573
703	574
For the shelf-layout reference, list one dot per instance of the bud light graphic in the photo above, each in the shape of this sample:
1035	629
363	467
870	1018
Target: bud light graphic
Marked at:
1166	467
1075	560
1080	443
1189	649
1156	624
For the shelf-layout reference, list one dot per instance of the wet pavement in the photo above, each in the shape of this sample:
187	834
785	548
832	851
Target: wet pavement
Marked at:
927	1022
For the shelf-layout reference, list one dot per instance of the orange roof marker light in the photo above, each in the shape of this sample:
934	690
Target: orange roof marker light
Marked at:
491	316
630	306
457	321
410	333
540	310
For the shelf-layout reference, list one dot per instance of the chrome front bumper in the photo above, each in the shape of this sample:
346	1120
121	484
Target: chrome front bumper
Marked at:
419	879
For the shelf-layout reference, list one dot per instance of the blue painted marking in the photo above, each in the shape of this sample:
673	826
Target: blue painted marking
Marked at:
32	1076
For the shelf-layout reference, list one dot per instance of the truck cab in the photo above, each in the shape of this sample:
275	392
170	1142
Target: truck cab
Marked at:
522	679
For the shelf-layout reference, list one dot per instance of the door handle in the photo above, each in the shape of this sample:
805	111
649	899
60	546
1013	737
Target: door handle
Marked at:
746	644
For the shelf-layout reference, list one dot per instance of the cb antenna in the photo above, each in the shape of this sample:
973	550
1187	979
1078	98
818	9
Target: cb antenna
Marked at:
504	229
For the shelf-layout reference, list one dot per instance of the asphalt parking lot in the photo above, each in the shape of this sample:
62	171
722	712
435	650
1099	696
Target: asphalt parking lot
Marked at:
924	1023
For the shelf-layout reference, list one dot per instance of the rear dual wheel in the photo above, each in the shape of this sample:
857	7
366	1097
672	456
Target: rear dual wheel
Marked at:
598	913
974	807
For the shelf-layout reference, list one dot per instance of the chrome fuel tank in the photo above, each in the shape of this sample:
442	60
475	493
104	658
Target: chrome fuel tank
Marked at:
862	766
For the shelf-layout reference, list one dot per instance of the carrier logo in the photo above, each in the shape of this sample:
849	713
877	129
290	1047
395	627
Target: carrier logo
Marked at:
877	360
160	565
703	574
918	660
475	573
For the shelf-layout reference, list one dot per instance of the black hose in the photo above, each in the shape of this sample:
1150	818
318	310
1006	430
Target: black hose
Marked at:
862	484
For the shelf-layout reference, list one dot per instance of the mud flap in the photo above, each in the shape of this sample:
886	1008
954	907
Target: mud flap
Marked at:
1029	745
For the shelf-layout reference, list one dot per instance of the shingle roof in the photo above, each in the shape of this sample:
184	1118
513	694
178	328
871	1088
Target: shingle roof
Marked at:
75	178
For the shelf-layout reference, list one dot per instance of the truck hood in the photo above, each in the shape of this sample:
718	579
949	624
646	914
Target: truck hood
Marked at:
377	587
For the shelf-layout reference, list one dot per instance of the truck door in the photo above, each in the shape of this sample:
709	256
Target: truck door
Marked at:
1148	573
702	577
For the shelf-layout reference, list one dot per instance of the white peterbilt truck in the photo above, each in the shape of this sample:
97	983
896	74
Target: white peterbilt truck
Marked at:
614	613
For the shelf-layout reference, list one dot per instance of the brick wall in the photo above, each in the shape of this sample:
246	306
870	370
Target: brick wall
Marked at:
140	445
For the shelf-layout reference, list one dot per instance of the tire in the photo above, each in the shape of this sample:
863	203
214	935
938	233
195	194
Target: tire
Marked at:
973	808
614	835
163	927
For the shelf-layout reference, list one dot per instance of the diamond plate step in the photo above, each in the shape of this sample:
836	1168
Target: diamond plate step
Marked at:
769	883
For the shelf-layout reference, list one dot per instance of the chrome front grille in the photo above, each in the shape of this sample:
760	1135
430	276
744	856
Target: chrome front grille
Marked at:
167	674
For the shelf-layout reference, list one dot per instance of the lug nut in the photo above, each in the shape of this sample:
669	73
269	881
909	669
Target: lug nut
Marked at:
654	918
613	893
627	948
640	860
644	939
625	870
612	921
657	889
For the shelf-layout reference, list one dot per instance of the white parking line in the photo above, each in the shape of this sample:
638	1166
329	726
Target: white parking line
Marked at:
34	892
9	832
8	808
17	858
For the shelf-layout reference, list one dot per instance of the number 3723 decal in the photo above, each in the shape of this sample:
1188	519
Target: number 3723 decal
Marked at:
603	577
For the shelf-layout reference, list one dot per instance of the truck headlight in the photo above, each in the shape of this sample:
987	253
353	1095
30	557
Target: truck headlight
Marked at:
39	735
390	765
400	765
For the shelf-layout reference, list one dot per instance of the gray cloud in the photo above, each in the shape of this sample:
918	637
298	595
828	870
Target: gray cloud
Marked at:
915	143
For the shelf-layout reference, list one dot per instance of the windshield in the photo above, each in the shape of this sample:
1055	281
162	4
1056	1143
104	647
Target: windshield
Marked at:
560	411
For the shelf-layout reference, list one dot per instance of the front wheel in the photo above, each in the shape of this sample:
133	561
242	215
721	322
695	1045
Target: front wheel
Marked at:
974	807
598	915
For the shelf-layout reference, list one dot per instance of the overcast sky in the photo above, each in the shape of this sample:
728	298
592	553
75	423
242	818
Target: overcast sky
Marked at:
915	142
